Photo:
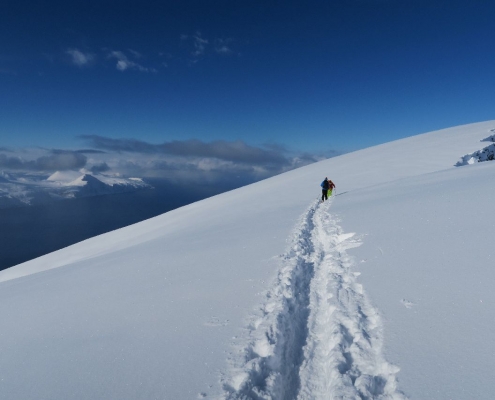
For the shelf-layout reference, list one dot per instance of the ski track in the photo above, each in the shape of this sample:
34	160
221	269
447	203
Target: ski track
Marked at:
318	336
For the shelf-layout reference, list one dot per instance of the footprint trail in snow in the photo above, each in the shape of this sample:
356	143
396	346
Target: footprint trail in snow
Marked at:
318	336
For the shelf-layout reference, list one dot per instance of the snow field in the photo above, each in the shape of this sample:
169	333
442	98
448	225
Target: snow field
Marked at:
427	263
154	310
268	366
343	355
319	336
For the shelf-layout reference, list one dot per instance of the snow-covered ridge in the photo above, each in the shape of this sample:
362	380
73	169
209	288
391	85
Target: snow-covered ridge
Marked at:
485	154
24	189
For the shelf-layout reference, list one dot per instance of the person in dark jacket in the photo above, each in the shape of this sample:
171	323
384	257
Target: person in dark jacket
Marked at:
326	186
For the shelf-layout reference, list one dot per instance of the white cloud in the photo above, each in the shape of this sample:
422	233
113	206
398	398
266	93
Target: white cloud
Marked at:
199	45
79	58
135	53
123	62
222	46
122	65
223	50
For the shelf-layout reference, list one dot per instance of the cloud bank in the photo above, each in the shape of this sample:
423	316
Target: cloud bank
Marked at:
236	151
56	160
187	161
218	164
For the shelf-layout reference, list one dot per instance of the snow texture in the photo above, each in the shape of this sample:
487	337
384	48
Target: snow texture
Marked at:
320	337
384	292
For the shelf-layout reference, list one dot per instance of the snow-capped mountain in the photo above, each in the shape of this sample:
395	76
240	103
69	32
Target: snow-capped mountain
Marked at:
383	292
22	189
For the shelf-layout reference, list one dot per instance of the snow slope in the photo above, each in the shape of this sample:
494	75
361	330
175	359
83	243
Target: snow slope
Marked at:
383	292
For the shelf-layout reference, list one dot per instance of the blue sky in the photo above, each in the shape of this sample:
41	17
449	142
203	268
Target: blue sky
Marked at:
313	76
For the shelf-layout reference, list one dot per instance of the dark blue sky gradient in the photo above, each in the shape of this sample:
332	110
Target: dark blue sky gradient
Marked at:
313	75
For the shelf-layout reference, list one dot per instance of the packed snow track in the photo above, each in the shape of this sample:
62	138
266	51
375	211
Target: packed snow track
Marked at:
318	336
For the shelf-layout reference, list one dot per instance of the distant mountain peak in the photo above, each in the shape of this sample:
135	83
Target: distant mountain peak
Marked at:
26	189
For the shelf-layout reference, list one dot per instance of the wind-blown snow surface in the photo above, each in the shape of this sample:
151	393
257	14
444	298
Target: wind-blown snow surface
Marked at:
386	291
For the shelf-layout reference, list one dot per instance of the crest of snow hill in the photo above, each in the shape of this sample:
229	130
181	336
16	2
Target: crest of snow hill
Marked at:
23	189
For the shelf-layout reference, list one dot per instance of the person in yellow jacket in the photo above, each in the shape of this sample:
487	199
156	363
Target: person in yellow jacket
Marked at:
327	187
